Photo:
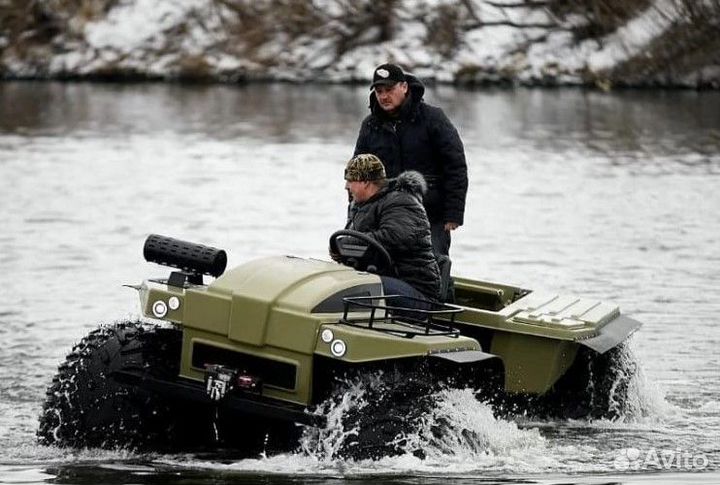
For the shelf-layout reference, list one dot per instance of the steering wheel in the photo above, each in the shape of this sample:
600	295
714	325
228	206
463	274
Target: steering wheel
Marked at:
362	257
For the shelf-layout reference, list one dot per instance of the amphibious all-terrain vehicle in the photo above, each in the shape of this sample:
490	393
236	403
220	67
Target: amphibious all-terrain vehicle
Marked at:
244	360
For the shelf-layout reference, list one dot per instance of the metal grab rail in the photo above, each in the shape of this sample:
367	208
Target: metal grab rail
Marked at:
418	321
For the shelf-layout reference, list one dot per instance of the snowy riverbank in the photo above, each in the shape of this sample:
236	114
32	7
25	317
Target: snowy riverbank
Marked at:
638	43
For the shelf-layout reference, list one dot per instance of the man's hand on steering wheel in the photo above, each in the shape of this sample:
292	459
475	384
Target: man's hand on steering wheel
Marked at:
360	251
335	256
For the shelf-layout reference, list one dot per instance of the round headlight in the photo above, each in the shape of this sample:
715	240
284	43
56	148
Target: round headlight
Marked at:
159	309
174	303
327	336
338	348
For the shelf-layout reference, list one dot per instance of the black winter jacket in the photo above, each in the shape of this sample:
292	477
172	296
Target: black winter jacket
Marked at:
420	138
396	219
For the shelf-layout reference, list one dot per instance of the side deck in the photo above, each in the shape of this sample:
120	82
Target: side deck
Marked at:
536	334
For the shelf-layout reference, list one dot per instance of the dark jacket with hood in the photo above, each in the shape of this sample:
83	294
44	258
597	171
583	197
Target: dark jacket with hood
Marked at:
420	137
395	218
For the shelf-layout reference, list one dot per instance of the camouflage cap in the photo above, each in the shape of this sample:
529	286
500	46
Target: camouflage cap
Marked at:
364	167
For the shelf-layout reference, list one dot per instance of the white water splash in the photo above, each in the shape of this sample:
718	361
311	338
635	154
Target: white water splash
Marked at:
325	443
460	435
644	399
460	424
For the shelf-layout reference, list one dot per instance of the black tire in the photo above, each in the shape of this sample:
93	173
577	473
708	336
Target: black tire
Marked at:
385	408
86	407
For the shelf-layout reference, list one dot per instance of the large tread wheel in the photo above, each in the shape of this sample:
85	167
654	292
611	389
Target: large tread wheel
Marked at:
383	416
87	407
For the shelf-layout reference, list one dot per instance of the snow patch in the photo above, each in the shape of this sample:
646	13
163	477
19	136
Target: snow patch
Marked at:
633	37
133	23
195	37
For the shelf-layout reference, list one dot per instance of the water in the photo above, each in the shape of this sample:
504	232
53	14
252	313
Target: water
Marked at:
613	196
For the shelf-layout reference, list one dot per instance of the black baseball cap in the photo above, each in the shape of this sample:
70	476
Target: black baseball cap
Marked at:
387	75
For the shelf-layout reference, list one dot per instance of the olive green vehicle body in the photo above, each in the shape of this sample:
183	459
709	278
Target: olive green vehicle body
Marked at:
273	315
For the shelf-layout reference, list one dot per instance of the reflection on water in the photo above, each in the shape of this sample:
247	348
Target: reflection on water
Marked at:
278	112
635	124
612	196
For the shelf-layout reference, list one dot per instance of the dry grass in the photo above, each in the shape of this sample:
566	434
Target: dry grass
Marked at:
39	21
353	23
444	29
690	44
600	16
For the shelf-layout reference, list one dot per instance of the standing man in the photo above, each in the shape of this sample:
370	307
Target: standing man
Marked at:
408	134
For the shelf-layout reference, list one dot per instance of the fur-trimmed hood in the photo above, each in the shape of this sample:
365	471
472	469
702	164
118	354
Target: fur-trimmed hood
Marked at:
412	182
396	218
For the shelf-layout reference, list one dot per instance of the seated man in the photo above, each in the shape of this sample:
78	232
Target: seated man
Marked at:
392	213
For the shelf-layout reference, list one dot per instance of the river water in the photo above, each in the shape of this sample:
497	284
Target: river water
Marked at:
606	195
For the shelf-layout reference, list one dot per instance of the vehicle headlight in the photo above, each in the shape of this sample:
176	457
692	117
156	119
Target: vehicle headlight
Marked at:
159	309
338	348
174	303
327	335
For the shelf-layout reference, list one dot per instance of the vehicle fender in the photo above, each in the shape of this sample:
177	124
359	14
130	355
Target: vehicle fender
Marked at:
612	334
352	344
